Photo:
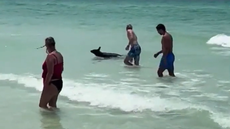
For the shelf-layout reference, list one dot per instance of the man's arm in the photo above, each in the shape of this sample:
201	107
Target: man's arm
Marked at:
159	52
163	40
162	46
155	55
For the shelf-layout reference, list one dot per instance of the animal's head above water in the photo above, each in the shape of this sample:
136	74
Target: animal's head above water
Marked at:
96	51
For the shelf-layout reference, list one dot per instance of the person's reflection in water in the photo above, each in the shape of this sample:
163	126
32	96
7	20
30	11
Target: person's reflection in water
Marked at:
50	120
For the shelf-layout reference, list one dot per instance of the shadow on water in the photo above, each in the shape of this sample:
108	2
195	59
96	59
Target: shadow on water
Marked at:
168	79
50	120
136	68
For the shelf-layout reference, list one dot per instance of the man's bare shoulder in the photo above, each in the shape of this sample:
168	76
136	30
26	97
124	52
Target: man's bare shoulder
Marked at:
167	36
164	37
130	31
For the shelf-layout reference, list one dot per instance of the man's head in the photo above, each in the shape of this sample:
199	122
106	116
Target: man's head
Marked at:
129	27
161	29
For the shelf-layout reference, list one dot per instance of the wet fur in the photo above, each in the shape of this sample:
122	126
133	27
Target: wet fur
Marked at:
98	53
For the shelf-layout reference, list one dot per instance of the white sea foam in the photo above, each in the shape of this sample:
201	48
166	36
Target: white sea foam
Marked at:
115	99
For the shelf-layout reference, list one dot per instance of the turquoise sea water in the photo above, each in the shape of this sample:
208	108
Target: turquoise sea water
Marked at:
103	94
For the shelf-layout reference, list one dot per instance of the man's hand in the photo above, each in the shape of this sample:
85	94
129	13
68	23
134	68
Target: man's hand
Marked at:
156	55
127	47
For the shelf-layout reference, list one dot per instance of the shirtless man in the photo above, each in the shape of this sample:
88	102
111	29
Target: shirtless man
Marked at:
167	60
135	49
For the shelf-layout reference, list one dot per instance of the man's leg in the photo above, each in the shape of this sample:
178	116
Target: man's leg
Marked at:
171	69
127	60
161	68
171	65
171	72
136	60
160	72
137	56
131	60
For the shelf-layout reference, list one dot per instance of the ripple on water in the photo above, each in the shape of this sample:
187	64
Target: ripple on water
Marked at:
223	82
222	53
132	80
97	75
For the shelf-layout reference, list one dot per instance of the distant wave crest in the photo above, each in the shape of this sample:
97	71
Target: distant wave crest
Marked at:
220	39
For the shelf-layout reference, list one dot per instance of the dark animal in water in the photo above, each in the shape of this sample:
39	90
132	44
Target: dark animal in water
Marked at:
98	53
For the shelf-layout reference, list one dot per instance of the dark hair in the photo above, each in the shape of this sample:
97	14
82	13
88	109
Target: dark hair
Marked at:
50	41
161	27
129	26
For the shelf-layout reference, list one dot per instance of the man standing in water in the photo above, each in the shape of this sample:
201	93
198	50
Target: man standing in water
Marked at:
135	50
167	60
